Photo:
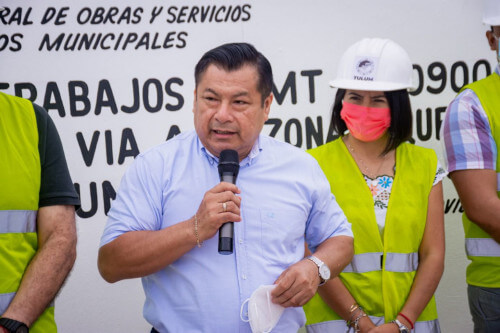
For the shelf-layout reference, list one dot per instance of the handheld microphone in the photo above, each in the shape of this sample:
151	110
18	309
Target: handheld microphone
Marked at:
229	165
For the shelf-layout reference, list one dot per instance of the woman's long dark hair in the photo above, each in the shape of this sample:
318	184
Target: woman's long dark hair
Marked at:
400	129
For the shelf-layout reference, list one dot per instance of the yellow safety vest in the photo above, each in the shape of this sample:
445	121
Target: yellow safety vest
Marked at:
482	250
381	274
19	192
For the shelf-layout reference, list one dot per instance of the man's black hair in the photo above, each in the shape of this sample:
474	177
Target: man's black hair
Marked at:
233	56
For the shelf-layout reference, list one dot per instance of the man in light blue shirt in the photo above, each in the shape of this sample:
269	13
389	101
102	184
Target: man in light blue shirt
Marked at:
163	225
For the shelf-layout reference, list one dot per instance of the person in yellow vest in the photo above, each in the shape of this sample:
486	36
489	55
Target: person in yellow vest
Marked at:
471	135
391	193
37	217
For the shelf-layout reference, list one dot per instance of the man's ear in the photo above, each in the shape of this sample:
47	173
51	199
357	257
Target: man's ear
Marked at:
267	104
491	40
194	99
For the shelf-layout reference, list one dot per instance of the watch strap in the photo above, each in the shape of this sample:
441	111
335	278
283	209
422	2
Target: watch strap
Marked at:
318	262
13	326
401	326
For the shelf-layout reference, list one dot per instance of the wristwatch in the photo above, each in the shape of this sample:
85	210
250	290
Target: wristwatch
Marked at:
323	269
13	326
401	326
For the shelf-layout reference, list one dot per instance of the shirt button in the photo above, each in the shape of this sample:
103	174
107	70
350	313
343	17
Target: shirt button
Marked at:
241	241
244	277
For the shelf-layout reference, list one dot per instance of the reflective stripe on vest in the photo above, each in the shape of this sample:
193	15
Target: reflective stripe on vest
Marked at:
401	262
430	326
364	262
482	247
5	300
337	326
394	262
17	221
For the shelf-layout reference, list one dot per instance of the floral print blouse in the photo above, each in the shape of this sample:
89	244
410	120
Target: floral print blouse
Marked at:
381	187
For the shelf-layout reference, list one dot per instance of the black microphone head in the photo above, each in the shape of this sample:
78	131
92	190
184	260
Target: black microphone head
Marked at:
229	162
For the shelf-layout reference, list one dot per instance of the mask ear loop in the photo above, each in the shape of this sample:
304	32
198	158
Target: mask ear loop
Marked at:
241	311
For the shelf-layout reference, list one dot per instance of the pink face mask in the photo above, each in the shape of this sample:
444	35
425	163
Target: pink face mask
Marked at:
365	123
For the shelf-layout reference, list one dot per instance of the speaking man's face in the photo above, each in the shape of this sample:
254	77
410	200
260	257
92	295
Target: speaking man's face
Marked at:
228	109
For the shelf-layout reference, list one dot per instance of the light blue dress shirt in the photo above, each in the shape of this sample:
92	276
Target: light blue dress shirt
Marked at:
286	199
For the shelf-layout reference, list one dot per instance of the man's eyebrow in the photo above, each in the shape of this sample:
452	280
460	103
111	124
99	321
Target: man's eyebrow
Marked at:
243	93
211	91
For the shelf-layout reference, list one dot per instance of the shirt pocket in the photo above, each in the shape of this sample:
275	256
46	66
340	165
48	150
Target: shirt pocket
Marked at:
282	236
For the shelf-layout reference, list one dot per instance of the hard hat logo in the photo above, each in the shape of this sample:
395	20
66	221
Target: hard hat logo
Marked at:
364	69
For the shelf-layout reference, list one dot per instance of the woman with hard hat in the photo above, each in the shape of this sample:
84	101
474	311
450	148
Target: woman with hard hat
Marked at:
391	193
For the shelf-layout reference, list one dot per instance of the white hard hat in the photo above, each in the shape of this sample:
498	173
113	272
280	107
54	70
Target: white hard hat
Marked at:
491	12
374	64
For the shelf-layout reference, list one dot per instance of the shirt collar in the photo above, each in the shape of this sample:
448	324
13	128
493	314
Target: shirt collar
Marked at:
254	152
497	69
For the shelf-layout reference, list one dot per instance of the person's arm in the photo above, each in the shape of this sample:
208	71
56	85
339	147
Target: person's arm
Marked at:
298	284
50	266
337	297
430	265
477	190
141	253
471	152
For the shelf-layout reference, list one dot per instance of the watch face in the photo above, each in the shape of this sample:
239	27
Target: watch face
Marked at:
22	329
402	328
324	272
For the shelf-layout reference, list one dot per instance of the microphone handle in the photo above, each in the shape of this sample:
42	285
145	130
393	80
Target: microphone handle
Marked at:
226	231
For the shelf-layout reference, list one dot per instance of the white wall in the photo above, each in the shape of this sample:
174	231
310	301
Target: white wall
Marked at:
296	36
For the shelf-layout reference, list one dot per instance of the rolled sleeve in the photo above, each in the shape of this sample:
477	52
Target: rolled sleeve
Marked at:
326	219
138	203
467	139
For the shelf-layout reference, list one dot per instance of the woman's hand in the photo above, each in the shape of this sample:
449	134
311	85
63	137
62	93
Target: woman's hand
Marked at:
385	328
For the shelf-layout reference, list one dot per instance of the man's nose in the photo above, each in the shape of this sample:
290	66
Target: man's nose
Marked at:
224	113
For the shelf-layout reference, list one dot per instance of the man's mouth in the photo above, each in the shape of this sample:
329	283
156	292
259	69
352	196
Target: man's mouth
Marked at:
221	132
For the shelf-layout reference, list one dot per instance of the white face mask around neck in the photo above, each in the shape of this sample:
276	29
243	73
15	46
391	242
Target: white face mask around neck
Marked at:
263	314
